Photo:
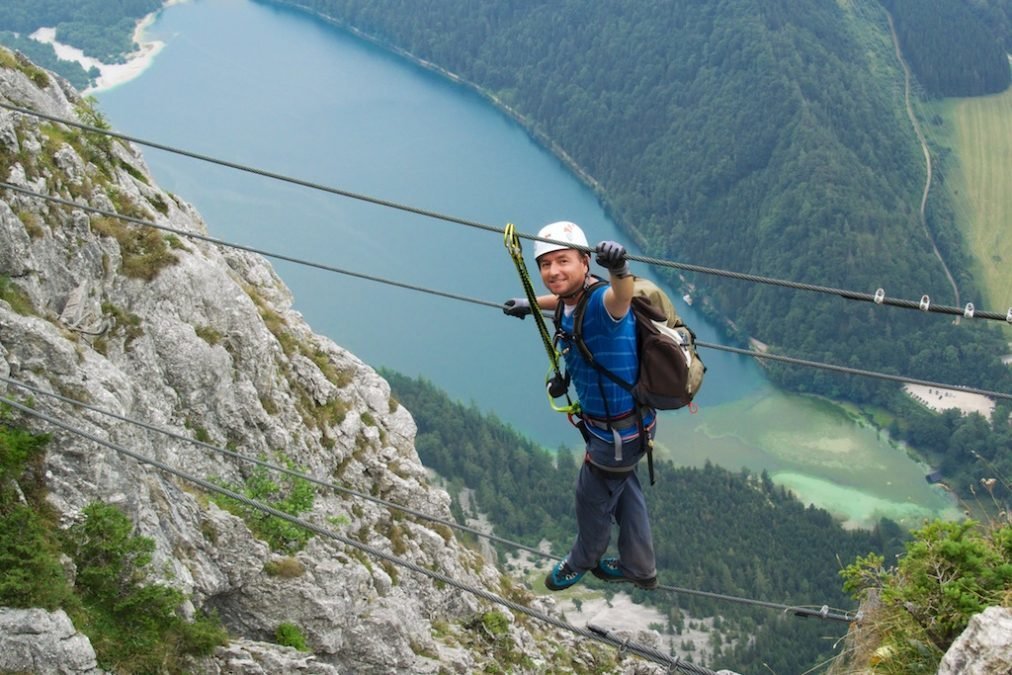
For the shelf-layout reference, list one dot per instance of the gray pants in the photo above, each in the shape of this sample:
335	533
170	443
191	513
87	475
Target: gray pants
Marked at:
599	500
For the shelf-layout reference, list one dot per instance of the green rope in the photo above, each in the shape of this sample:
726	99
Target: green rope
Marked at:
512	242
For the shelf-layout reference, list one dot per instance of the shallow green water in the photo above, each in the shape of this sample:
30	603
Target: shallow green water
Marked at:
814	448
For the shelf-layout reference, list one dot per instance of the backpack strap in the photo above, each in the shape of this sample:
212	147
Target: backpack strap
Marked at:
581	309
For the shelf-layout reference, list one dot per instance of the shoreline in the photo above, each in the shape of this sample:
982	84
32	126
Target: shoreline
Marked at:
111	75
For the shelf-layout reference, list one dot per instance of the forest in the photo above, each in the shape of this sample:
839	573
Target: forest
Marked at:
969	62
765	138
102	30
714	530
42	54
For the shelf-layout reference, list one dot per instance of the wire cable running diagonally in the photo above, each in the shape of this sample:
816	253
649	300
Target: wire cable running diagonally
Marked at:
253	170
878	298
242	247
634	648
269	466
851	371
454	296
798	610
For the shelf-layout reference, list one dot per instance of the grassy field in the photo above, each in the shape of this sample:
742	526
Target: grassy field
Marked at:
979	131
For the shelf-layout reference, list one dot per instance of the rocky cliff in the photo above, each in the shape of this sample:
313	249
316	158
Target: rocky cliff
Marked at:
201	340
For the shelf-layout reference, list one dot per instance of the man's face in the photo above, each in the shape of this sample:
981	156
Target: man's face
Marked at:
563	271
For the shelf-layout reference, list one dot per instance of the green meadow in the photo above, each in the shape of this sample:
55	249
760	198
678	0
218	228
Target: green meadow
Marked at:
979	133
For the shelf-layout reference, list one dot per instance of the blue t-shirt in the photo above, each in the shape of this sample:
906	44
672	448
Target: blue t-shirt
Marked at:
613	344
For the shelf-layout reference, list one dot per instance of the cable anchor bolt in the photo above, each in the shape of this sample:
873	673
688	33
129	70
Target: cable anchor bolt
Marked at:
1008	317
880	295
968	311
925	302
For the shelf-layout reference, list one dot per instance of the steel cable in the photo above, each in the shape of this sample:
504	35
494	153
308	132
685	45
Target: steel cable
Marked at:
607	638
878	297
462	298
801	610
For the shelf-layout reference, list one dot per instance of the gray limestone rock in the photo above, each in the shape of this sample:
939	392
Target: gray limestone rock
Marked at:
37	641
984	647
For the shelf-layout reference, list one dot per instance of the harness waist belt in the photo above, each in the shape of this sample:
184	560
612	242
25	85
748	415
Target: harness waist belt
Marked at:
624	422
617	472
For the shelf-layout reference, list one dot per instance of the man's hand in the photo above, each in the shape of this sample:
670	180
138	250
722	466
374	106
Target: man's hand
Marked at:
518	307
612	256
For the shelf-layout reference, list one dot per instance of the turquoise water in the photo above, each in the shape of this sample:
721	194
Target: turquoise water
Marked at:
282	91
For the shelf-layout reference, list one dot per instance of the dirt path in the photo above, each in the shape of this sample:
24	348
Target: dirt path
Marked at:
927	157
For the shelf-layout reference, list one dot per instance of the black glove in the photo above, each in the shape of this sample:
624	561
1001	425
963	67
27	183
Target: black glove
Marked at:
611	256
518	307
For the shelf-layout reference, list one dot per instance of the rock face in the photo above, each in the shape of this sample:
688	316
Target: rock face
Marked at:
202	341
37	641
984	647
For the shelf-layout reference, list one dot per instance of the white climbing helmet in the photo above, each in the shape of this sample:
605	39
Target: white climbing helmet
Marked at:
562	231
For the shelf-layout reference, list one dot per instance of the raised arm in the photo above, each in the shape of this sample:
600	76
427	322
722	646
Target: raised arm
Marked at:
618	298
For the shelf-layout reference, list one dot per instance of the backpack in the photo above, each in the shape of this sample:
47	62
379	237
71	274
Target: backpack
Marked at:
670	370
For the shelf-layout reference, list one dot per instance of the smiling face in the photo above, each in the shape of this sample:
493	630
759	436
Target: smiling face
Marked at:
564	271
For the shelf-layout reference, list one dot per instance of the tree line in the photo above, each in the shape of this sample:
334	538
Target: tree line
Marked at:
950	47
102	30
43	55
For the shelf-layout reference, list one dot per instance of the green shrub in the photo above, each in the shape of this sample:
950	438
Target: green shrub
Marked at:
134	627
29	557
289	635
286	568
29	552
288	494
15	297
144	249
950	571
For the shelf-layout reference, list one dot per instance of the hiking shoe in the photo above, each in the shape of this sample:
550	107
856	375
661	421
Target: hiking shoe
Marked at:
562	576
607	569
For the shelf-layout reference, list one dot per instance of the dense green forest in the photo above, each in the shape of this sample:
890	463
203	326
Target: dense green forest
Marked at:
102	30
42	54
996	15
766	137
714	530
950	48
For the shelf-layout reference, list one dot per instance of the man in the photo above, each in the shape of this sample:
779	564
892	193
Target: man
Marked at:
615	430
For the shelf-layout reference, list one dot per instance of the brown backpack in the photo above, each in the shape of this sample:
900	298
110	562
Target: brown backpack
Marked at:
670	370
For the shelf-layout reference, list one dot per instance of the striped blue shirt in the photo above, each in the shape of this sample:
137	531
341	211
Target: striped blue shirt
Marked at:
613	344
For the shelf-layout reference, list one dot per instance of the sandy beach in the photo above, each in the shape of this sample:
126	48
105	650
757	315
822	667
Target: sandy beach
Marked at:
111	74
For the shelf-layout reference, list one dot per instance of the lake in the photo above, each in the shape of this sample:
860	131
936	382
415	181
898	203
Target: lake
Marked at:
274	88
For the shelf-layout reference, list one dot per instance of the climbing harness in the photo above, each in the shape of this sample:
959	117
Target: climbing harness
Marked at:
555	380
